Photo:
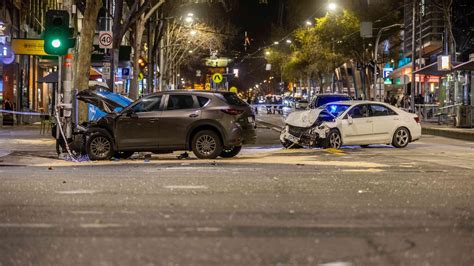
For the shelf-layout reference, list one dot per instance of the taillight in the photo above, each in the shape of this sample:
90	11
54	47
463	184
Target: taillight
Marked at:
417	119
232	111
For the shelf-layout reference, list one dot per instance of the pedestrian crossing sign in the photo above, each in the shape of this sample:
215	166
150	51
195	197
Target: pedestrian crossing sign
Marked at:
217	78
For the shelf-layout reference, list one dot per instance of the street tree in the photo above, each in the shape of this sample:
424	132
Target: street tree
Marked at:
91	11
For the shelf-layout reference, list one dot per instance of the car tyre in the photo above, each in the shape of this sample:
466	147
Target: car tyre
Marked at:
334	139
99	146
401	137
230	152
207	144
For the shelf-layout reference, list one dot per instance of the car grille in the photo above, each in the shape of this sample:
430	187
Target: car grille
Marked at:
297	131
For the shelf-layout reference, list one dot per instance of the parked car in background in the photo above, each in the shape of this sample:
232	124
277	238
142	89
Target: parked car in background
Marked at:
325	98
301	104
211	124
351	123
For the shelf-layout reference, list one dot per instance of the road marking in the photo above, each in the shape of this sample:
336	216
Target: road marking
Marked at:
87	212
80	191
185	187
10	225
98	225
336	263
371	170
208	229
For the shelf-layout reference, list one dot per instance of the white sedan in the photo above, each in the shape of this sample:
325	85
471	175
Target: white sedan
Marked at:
351	123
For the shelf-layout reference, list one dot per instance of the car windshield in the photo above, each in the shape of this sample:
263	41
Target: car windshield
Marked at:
335	109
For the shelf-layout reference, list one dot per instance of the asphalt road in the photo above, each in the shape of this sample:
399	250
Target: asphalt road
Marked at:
374	206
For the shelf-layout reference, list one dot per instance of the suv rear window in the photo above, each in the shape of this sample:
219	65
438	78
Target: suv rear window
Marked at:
202	101
233	99
176	102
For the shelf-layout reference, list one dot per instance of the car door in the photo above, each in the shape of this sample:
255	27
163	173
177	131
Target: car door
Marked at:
179	113
137	127
384	122
360	130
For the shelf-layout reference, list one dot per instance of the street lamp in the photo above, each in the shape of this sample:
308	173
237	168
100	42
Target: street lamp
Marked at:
308	23
332	6
276	43
376	54
288	41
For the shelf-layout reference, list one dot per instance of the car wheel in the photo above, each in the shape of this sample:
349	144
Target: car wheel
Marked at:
206	145
334	139
99	146
124	154
401	138
230	152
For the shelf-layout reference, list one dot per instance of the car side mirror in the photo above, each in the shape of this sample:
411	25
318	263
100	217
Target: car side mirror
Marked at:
350	120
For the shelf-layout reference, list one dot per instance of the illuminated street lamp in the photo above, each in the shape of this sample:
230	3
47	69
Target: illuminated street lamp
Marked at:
288	41
308	23
276	43
332	6
267	53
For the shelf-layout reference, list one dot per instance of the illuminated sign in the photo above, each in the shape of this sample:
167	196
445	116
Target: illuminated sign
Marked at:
387	71
444	62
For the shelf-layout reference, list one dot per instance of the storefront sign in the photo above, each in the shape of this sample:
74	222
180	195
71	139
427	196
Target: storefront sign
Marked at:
28	46
444	62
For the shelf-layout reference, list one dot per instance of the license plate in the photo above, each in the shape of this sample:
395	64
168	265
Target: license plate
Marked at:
292	138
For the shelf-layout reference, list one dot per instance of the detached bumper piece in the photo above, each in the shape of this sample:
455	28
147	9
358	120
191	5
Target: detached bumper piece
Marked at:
309	137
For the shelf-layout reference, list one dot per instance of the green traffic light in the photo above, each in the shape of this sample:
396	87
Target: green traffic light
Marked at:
56	43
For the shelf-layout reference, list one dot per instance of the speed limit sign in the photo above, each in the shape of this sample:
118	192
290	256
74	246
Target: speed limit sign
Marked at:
105	39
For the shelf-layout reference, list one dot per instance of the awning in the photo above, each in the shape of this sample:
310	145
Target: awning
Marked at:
432	70
50	78
53	76
467	66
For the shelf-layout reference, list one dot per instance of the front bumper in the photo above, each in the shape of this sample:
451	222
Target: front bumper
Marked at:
311	137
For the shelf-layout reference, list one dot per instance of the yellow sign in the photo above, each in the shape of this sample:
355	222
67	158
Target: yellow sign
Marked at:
233	89
140	76
28	47
208	86
217	78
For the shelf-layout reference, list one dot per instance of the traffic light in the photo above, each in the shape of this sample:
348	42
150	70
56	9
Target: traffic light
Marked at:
56	33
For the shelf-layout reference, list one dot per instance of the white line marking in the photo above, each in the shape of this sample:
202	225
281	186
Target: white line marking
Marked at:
208	229
80	191
10	225
185	187
101	225
87	212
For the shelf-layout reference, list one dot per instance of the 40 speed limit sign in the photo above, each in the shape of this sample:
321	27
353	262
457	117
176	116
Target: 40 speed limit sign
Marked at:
105	39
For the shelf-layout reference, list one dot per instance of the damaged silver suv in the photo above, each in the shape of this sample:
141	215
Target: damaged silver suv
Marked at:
211	124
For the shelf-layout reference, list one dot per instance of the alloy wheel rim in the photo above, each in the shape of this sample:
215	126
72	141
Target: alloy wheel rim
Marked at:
206	144
402	137
335	140
100	146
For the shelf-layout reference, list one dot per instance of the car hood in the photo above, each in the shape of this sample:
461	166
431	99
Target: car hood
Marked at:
305	118
101	98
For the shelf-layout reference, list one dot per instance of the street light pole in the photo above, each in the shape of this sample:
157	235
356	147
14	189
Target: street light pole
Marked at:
413	51
376	54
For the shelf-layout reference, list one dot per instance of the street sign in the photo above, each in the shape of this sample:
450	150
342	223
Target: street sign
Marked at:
387	71
198	73
125	73
106	70
28	46
105	39
233	89
140	76
217	78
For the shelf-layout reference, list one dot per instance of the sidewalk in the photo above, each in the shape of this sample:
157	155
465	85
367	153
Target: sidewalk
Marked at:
25	139
276	121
